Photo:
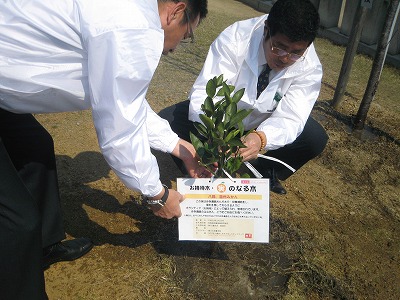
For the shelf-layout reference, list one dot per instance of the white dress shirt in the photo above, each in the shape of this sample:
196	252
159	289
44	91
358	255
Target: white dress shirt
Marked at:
67	55
238	54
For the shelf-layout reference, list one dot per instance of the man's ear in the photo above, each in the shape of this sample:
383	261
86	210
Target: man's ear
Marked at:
266	31
175	10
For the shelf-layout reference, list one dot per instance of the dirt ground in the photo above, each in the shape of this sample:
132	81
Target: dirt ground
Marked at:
335	235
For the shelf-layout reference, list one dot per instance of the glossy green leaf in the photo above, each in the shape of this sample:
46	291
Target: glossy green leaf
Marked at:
220	79
238	95
218	104
239	116
236	142
231	135
209	106
231	110
226	89
241	128
201	129
220	130
211	87
195	141
218	117
233	164
207	122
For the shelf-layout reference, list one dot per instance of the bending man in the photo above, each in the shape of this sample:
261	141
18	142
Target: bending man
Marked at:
69	55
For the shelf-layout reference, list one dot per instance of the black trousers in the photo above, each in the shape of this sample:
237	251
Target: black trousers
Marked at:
309	144
30	212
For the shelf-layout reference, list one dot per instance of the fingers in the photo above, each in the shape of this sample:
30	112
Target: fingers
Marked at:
252	144
171	209
249	153
202	172
166	214
181	199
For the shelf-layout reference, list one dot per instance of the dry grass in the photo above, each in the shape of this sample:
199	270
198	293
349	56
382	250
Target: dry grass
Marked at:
334	236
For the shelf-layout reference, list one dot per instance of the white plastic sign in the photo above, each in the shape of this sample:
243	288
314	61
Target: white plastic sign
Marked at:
224	209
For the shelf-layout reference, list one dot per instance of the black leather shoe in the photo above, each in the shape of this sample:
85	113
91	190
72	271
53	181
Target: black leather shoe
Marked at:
66	251
276	186
274	183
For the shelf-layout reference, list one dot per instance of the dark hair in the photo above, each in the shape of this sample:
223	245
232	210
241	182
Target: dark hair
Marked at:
297	19
197	7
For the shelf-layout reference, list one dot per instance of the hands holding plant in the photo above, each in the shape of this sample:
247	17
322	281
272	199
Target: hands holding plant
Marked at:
222	144
187	153
253	142
222	130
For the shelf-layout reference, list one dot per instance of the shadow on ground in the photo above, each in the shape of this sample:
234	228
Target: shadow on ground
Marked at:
255	270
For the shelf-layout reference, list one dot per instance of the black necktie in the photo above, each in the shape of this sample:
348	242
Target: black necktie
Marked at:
263	80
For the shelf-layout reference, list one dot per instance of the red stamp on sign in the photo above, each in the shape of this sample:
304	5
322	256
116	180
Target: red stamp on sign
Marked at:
248	236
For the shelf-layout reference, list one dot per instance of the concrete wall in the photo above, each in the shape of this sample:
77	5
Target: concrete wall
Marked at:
374	20
329	12
372	28
337	21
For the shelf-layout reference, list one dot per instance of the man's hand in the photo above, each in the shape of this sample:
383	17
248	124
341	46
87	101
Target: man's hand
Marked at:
253	145
171	209
186	152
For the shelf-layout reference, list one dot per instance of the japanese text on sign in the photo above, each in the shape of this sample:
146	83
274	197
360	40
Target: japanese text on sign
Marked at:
225	210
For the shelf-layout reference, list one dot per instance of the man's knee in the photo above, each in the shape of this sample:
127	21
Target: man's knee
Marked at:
316	136
320	140
177	116
167	113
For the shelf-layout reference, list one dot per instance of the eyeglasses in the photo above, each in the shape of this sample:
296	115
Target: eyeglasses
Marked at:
190	34
282	53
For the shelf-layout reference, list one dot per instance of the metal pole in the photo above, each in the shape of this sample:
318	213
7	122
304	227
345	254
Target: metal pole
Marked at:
378	64
351	49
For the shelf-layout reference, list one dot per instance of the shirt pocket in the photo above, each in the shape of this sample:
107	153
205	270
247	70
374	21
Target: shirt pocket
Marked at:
274	103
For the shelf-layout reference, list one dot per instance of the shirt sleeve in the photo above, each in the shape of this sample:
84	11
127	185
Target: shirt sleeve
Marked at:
160	134
121	64
288	120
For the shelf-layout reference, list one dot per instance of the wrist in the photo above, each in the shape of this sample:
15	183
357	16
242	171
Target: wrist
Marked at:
157	200
184	151
263	139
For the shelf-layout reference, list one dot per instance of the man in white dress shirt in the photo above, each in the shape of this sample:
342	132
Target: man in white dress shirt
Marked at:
281	44
69	55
